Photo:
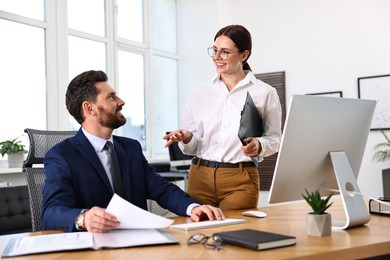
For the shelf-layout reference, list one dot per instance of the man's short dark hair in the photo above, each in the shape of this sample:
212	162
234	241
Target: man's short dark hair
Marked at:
82	88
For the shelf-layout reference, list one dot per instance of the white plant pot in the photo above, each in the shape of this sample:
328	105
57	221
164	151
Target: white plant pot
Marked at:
15	160
319	225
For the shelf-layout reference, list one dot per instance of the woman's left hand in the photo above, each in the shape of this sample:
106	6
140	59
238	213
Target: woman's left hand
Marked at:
252	147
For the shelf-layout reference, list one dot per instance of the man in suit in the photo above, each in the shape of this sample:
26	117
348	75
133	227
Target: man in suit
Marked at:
79	184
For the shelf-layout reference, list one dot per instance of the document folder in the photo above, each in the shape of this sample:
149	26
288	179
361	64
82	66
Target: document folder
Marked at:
251	123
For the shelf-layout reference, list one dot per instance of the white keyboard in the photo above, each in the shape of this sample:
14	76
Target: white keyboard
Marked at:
208	224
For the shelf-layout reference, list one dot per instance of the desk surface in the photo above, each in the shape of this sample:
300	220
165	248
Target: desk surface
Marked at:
360	242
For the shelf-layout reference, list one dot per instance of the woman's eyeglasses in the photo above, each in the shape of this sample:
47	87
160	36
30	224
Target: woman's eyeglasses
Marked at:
208	242
223	53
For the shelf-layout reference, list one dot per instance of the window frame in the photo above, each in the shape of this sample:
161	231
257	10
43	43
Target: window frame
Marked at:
56	49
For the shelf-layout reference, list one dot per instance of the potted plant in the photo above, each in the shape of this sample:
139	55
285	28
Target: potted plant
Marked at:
382	154
318	222
15	151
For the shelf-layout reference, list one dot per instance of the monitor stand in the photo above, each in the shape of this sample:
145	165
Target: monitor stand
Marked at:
356	211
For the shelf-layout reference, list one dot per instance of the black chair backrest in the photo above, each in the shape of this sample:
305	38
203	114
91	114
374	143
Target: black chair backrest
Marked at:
40	142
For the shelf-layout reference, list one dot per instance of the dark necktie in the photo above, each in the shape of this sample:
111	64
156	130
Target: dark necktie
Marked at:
114	169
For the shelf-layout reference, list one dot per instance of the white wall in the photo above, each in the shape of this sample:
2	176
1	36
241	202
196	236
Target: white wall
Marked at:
323	45
197	25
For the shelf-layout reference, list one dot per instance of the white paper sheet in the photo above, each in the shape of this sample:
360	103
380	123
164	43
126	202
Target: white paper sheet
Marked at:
132	237
48	243
86	240
133	217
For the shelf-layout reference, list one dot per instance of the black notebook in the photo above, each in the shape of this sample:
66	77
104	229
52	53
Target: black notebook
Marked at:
255	239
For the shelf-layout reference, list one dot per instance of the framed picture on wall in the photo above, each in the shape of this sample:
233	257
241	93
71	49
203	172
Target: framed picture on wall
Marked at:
377	88
328	94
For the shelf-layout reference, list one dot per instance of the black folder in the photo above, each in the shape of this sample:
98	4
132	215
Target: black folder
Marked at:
255	239
251	123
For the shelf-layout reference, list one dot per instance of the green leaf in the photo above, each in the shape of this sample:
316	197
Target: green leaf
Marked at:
319	205
12	146
382	153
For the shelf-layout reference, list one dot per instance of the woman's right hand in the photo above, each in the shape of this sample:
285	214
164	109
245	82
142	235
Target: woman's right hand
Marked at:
177	136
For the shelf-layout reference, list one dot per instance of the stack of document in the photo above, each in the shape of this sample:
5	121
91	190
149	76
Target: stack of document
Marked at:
137	227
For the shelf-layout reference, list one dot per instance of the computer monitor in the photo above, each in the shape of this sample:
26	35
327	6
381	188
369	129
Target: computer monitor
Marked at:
177	159
322	147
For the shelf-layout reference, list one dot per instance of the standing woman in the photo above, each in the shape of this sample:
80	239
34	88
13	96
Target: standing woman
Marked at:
222	173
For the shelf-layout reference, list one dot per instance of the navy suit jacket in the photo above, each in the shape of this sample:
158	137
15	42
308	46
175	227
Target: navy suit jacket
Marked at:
76	180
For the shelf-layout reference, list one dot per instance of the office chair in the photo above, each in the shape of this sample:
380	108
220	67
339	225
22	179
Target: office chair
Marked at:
178	161
179	164
40	142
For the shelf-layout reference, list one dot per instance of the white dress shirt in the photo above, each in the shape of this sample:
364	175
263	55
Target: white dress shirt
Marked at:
212	114
98	144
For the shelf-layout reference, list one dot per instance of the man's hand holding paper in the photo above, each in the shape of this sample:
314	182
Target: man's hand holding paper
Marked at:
133	217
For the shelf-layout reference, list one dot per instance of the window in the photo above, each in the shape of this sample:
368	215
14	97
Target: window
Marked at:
23	88
164	112
29	8
85	55
163	25
130	20
87	16
131	89
50	42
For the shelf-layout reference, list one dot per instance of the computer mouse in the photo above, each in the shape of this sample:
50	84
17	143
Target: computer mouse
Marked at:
254	213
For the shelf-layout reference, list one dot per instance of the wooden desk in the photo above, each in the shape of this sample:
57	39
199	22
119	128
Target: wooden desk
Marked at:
369	240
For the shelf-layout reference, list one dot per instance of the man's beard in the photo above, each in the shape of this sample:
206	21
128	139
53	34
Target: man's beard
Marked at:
110	120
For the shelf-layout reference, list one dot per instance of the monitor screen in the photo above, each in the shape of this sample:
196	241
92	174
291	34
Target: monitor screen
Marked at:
178	160
317	129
